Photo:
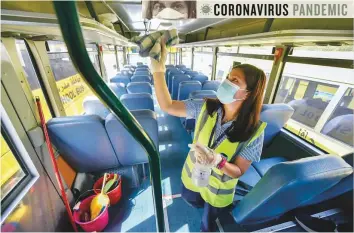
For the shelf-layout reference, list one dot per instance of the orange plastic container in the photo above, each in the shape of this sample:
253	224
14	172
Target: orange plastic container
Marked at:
115	194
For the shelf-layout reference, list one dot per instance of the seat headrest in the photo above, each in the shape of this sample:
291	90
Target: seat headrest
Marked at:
139	87
138	101
341	128
288	185
276	116
93	106
202	94
118	88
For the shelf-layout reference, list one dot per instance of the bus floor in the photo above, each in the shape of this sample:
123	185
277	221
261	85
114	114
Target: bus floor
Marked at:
138	208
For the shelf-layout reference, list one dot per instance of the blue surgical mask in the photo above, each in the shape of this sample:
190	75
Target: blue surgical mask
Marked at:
227	91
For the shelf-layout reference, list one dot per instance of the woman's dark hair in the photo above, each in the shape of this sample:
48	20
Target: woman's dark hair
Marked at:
191	5
248	117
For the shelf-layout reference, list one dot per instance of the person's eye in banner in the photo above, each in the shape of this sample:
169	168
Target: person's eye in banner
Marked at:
170	10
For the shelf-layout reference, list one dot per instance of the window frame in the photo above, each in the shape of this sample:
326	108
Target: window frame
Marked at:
9	203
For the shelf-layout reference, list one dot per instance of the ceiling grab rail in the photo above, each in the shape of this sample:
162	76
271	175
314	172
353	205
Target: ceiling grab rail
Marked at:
70	27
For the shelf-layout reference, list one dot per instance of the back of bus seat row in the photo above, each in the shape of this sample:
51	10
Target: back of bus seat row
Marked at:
90	144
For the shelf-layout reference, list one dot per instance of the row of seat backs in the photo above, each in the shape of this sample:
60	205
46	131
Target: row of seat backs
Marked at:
290	185
136	101
91	144
187	87
134	78
131	88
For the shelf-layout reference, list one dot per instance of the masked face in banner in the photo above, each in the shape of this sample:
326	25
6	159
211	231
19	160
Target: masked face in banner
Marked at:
170	10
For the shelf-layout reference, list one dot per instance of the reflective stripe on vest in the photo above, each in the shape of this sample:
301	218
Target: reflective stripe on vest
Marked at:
221	188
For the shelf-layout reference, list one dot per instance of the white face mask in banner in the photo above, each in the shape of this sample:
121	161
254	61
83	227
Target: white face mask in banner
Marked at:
227	91
169	13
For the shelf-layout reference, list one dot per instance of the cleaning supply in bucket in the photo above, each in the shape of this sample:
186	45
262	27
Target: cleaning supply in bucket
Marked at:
99	202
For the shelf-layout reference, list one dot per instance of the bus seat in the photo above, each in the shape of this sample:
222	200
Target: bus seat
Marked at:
170	66
212	85
289	185
125	72
200	77
138	101
340	128
142	69
176	80
168	70
128	150
142	66
186	87
118	88
202	94
191	73
184	70
141	73
83	142
265	164
169	78
120	79
276	115
340	110
180	66
140	78
139	87
93	106
308	111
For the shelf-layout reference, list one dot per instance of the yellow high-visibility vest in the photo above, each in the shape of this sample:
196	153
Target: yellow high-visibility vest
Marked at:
221	188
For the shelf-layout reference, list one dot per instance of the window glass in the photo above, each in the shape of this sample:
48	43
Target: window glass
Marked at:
93	54
340	124
173	58
309	89
72	88
203	62
11	171
32	77
187	57
338	52
225	63
256	50
120	57
110	63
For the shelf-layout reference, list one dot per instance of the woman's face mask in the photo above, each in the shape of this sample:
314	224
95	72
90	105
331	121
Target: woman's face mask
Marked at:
169	13
227	91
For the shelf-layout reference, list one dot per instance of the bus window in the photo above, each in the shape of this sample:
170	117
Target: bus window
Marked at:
340	124
338	52
267	50
32	76
134	57
310	89
187	57
110	61
225	62
72	88
93	54
120	57
203	60
11	171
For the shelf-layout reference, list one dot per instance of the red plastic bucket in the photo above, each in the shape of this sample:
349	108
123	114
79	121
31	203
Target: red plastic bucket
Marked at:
98	224
115	194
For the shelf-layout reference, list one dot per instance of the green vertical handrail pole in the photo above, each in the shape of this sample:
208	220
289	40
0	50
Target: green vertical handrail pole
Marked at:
70	27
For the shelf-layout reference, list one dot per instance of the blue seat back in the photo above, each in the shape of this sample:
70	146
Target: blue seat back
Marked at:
138	101
93	106
168	70
170	66
191	73
170	76
118	89
185	69
276	116
202	94
140	78
200	77
141	73
83	142
142	66
186	87
176	80
142	69
139	87
180	66
289	185
128	150
340	128
120	79
126	72
211	85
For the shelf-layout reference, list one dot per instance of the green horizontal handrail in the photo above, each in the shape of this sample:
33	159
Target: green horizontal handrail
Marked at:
70	27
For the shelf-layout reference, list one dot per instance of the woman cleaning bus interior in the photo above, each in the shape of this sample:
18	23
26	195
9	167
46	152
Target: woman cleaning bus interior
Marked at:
228	138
